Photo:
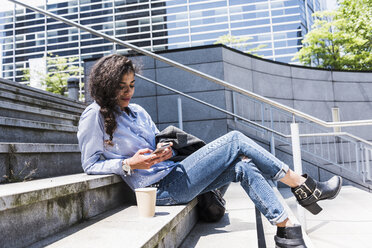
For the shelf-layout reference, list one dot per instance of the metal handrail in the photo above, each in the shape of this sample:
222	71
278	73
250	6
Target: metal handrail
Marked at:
198	73
336	134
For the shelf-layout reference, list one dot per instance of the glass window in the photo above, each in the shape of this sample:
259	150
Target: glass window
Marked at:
96	20
160	42
30	30
178	39
31	50
283	27
142	43
207	36
159	27
8	33
286	19
8	60
250	46
40	42
292	10
29	23
8	40
159	34
20	37
250	23
133	15
8	74
178	31
237	2
8	53
177	17
209	28
168	3
67	53
57	26
204	6
8	26
8	47
236	9
170	10
7	13
96	13
177	25
249	31
278	12
281	51
264	53
30	37
7	67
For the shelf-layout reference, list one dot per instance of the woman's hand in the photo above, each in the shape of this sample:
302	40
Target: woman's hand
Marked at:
142	161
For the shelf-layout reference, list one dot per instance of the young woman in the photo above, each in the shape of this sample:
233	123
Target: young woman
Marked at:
118	137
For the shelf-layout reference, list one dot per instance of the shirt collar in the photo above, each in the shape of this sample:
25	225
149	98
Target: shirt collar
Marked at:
132	111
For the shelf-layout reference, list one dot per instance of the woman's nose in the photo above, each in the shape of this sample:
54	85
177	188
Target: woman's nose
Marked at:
125	90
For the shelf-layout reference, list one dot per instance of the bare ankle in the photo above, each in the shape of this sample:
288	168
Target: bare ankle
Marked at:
285	223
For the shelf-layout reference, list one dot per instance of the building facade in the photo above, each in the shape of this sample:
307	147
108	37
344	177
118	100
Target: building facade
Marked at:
277	25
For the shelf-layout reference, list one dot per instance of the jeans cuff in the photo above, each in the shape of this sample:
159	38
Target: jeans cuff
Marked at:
282	217
281	173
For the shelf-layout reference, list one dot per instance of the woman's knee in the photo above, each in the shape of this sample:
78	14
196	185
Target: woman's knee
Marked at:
235	134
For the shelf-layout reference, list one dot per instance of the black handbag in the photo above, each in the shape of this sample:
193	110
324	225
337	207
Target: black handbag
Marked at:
211	206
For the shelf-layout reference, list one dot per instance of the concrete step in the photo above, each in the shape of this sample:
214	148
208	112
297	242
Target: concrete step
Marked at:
20	161
345	221
236	229
31	211
43	104
29	131
21	111
123	228
10	87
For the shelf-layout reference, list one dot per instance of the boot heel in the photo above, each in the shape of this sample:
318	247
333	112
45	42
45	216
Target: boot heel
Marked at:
314	208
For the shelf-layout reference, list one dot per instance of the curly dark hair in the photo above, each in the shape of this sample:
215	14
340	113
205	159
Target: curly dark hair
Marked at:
104	83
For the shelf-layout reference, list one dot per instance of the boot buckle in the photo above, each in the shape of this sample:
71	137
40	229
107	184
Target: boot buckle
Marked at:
317	193
301	193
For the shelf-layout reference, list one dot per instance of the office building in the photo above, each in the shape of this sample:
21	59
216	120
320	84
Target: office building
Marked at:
279	25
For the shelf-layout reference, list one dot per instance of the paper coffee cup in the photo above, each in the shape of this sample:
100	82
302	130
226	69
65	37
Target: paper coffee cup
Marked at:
146	200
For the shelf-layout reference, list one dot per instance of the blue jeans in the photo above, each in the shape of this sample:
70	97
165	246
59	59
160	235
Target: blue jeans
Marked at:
219	163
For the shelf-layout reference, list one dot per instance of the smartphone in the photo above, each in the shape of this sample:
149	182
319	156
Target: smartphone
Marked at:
162	148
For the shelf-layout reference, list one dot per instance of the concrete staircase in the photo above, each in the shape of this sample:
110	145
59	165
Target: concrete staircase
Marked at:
38	133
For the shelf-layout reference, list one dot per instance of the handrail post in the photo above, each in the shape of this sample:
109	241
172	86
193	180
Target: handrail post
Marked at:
297	164
179	112
336	118
367	169
272	151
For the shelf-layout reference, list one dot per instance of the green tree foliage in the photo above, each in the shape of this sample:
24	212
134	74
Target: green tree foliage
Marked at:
340	39
59	70
238	43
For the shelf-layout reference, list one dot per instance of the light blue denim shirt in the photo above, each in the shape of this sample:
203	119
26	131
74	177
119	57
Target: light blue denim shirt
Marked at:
134	131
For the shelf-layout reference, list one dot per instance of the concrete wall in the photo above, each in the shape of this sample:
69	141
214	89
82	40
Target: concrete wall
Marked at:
312	91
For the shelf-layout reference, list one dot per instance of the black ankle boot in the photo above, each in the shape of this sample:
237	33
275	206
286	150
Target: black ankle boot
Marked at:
289	237
311	191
